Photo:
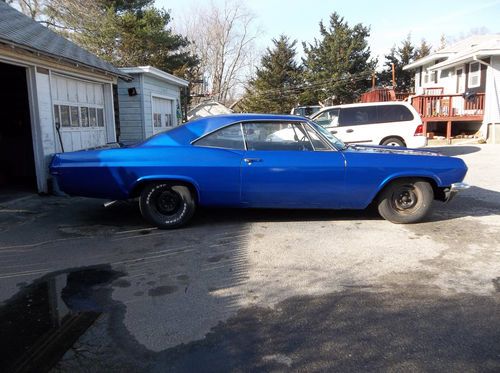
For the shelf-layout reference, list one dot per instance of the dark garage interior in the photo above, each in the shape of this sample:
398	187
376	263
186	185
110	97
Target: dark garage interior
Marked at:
17	166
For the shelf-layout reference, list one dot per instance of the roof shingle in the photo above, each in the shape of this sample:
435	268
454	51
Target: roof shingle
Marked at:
20	30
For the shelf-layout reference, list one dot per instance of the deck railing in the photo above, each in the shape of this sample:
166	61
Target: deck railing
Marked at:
452	106
383	95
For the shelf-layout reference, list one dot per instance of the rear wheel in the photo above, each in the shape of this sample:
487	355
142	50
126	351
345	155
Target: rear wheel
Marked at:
167	205
393	141
405	201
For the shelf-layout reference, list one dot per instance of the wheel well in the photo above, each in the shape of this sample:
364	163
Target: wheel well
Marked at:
393	137
438	192
136	192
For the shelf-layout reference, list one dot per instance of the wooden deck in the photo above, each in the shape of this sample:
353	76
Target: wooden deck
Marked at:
449	108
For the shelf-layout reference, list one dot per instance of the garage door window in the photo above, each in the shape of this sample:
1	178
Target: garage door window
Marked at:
162	113
77	103
75	116
85	116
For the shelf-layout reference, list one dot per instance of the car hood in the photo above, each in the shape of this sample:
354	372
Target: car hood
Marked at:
390	150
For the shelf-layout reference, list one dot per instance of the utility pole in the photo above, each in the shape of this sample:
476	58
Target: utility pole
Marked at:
374	80
393	76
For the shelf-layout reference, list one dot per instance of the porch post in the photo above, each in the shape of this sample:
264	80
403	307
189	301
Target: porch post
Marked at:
448	132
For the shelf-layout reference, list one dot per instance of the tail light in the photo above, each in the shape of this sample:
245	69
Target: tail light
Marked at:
419	131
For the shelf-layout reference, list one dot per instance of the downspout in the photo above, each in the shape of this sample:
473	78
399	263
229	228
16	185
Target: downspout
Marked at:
493	125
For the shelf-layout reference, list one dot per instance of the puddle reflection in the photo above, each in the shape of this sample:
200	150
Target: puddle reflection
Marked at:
44	319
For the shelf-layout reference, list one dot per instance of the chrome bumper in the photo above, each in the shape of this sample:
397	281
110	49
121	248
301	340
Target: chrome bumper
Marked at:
453	190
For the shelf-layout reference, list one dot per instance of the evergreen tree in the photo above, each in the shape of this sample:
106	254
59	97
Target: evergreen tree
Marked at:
278	81
338	66
424	49
123	32
400	57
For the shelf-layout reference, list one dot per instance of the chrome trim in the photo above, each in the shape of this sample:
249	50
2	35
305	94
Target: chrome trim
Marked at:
244	121
452	191
299	120
459	186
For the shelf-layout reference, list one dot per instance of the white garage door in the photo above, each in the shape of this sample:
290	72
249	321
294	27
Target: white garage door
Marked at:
162	114
79	112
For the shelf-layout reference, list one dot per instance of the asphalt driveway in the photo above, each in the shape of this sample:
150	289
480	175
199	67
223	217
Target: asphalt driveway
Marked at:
260	290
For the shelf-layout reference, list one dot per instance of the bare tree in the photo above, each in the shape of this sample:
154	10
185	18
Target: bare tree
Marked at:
223	38
32	8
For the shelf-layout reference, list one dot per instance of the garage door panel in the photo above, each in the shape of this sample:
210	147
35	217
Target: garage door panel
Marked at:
76	139
87	101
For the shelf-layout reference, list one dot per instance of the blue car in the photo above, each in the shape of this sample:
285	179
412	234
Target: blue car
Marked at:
259	161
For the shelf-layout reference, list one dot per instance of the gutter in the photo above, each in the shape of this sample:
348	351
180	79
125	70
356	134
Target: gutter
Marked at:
76	63
474	58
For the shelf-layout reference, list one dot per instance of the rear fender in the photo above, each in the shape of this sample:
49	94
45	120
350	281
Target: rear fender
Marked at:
150	178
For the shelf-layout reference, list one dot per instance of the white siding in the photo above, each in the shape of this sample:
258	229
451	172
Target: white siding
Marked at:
50	146
492	96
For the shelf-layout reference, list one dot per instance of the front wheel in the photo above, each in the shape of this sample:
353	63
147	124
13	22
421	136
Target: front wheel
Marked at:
406	201
393	141
167	205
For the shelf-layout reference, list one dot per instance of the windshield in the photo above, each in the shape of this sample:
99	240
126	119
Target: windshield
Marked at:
337	143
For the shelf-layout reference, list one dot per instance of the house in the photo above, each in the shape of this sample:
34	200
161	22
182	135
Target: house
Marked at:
458	88
149	103
55	97
206	109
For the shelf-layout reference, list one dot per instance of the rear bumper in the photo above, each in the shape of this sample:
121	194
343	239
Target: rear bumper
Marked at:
452	191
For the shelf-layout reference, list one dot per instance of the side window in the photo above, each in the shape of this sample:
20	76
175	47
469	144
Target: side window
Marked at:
394	113
317	142
355	116
226	138
327	118
276	136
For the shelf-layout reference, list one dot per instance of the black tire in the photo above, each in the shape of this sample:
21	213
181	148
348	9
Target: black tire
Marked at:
393	141
167	205
405	201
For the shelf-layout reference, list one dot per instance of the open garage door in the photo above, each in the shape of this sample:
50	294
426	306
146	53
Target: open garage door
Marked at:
17	165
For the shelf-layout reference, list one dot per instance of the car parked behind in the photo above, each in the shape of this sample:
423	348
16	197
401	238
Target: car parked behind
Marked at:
379	123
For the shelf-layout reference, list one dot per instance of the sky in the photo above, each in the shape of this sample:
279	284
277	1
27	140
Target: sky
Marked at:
390	21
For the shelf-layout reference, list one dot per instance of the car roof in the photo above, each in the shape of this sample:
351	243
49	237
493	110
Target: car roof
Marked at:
360	104
190	131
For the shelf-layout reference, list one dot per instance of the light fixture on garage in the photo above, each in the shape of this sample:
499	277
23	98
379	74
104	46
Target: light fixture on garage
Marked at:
132	91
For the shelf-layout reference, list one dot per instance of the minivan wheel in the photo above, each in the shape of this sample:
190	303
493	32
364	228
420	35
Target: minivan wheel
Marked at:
393	141
167	205
406	201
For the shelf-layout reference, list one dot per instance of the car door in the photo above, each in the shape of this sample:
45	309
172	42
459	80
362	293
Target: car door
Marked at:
287	165
357	124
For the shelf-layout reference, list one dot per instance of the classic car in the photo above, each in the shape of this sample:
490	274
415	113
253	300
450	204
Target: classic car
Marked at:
240	160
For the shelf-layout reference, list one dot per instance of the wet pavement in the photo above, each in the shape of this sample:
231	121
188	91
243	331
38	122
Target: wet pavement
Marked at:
83	288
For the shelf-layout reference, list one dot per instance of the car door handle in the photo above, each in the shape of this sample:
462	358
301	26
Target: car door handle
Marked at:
333	132
349	131
251	160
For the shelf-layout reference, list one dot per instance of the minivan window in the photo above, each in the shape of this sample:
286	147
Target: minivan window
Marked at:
353	116
328	118
393	113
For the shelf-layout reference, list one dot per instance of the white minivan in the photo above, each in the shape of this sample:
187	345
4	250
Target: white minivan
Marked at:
381	123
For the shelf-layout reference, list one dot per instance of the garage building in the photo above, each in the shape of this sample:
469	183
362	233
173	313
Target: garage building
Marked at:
55	97
149	103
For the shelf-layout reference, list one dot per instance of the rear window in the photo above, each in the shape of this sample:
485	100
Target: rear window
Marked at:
227	138
354	116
